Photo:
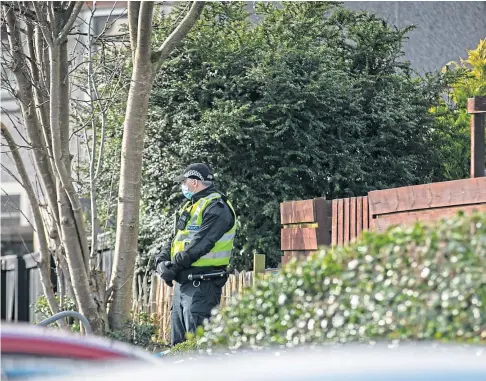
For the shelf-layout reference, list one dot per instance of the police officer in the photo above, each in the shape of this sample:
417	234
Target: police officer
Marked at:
198	252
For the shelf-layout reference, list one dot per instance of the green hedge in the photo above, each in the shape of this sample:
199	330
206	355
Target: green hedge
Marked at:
414	283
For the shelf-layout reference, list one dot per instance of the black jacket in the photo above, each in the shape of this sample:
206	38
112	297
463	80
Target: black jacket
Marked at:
217	219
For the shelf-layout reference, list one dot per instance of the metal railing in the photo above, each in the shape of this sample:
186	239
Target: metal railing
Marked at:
71	314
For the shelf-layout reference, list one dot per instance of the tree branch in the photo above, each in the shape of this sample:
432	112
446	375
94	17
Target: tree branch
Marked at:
68	10
41	102
11	174
133	17
176	36
92	156
72	14
61	115
43	24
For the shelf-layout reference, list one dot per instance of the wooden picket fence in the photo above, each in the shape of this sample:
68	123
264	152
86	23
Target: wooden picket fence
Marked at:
350	217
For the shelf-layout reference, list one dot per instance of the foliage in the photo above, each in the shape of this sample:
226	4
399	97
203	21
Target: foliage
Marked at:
188	346
453	122
140	332
43	311
408	283
314	100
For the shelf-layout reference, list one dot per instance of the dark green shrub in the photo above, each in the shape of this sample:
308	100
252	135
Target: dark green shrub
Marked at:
188	346
312	100
413	283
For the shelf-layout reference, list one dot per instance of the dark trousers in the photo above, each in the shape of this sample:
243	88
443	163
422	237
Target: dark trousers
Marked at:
191	305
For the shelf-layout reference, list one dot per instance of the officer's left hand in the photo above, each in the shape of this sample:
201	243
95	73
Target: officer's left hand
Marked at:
182	260
167	272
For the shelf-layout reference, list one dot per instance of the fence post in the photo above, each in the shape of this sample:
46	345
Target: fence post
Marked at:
258	267
476	107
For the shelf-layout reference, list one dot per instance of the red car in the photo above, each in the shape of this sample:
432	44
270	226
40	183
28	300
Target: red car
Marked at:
28	351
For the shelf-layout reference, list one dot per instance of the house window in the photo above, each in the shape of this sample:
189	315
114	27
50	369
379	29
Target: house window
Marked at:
111	25
10	210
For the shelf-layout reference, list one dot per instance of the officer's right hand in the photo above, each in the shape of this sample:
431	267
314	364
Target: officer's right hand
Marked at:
166	272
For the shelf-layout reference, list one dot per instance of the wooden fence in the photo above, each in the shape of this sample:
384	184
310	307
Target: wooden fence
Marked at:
428	202
306	227
309	225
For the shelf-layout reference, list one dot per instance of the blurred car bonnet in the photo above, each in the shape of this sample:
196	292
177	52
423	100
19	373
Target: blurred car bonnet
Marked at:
31	351
349	362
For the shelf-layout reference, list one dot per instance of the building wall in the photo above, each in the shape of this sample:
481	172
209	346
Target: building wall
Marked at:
444	29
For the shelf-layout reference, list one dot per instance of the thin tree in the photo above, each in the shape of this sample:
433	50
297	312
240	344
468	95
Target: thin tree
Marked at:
146	64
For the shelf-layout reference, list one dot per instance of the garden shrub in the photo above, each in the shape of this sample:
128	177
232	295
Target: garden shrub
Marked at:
408	283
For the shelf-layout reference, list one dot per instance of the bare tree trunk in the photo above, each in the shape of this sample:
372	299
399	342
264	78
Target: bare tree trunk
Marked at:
126	246
73	231
61	256
145	67
60	146
92	158
80	280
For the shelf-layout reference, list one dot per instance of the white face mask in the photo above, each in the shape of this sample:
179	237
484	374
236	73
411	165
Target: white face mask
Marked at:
186	192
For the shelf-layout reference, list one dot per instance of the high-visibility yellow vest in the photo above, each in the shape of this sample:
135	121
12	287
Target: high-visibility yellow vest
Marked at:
220	254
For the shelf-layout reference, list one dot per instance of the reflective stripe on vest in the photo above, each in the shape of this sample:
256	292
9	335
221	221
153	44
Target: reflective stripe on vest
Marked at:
220	254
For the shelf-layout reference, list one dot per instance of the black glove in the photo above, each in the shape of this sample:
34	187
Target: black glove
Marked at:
166	270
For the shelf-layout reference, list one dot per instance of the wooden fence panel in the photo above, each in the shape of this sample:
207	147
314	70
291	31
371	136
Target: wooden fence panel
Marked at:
426	203
349	219
381	223
346	221
307	227
366	214
359	216
294	212
298	239
352	219
334	240
427	196
340	228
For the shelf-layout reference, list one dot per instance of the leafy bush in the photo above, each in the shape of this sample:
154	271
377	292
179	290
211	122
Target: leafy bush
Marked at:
410	283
